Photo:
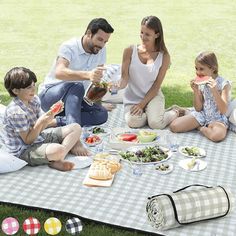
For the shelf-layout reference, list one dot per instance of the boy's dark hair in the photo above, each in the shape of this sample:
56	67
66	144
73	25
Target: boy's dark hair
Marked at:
17	78
99	24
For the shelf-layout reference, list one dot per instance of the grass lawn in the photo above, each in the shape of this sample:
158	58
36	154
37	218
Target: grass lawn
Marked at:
31	32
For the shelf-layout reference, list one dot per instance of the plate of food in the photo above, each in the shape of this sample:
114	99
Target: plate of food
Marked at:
92	140
193	164
100	131
192	151
164	168
146	154
138	137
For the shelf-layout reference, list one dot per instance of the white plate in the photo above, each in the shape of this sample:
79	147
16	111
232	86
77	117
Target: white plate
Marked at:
202	152
164	172
200	165
80	161
139	148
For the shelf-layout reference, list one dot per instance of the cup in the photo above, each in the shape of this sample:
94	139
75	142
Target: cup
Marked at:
137	168
172	142
86	131
100	147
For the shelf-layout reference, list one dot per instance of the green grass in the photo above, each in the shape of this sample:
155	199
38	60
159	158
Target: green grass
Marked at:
31	32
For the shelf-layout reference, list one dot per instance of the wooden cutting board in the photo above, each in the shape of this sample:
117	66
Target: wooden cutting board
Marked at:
97	183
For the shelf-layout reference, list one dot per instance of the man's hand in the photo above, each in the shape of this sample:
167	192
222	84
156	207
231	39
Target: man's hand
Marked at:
97	74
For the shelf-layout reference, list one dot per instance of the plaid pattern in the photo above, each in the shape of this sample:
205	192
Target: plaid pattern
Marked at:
124	203
52	226
191	205
74	226
18	118
31	226
10	226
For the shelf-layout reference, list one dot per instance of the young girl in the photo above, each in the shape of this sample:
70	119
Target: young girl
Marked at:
25	126
210	102
143	70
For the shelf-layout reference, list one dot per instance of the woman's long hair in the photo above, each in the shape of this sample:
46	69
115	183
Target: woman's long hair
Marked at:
154	23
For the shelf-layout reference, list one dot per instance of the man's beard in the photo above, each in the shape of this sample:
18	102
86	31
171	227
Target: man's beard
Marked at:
94	49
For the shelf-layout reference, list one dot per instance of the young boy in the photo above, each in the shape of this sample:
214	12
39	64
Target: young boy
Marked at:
25	126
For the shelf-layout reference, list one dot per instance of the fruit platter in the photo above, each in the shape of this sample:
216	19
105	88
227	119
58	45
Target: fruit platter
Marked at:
93	140
126	139
146	154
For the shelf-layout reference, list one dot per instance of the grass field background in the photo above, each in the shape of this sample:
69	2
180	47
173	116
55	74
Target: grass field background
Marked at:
31	32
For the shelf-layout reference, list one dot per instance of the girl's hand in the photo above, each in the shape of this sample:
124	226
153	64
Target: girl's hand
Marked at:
212	84
136	110
193	86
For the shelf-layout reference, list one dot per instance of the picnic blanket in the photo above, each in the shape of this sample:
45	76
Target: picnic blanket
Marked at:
124	203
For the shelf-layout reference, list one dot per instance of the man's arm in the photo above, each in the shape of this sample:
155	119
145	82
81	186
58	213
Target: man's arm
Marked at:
63	72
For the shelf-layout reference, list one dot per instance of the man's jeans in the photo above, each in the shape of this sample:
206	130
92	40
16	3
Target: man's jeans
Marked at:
75	109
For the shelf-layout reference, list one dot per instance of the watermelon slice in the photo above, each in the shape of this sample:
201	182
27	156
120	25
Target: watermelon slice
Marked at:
127	137
201	79
55	108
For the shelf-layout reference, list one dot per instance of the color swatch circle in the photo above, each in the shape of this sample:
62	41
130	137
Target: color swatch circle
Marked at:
52	226
10	226
31	226
74	226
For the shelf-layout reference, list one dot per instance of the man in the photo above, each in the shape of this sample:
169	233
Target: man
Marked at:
79	62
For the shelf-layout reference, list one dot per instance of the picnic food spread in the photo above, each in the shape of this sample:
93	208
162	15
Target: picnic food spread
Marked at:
201	80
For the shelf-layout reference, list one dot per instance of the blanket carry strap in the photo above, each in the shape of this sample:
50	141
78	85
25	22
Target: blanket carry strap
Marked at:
174	206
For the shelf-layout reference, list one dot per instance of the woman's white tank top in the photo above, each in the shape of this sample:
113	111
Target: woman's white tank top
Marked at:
141	77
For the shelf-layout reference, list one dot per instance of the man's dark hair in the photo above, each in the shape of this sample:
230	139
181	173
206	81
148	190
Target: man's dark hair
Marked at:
17	78
99	23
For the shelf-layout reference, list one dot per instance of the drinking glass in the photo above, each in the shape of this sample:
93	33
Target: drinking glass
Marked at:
172	141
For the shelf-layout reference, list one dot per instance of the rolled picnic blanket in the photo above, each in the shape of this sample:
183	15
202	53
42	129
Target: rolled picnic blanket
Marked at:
186	206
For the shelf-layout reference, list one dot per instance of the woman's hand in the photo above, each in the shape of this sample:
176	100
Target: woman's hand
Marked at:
136	110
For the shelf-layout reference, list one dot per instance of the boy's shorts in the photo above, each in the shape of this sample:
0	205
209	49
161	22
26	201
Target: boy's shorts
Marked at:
35	154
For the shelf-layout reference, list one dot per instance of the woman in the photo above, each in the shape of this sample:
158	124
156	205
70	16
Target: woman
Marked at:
143	70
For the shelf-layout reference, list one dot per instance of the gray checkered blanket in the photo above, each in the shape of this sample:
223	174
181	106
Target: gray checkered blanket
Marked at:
124	203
